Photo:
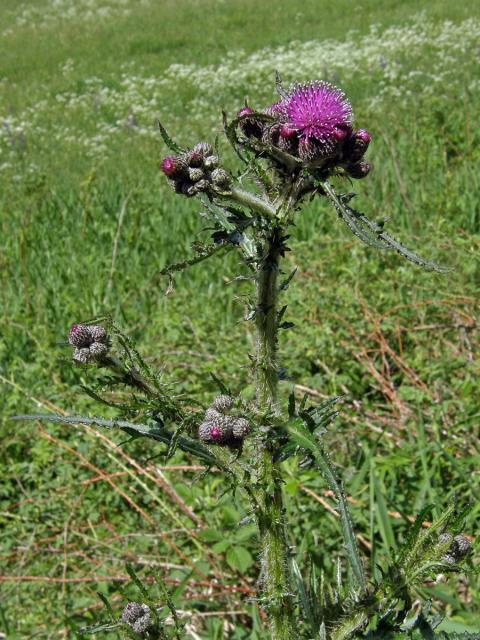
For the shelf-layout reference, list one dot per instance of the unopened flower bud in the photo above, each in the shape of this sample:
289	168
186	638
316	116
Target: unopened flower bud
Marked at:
220	178
241	428
173	167
201	185
340	133
211	162
286	131
195	174
98	333
461	546
356	146
203	148
223	403
216	431
80	335
359	170
194	159
132	612
98	350
138	617
82	355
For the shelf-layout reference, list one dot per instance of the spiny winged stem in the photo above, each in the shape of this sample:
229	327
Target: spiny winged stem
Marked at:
275	579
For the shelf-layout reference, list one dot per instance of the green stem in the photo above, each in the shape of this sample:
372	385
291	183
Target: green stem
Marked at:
276	589
252	201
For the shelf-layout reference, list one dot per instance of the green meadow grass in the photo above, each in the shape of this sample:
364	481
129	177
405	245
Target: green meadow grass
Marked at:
399	344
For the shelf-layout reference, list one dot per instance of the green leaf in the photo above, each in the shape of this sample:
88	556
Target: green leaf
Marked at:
300	434
239	558
171	144
372	233
383	519
150	431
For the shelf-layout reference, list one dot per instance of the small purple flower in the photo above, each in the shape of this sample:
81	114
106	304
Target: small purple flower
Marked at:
173	167
318	112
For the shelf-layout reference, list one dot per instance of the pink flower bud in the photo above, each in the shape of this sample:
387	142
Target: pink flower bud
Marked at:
170	166
286	131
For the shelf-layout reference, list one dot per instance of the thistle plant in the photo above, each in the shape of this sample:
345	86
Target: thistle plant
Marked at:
291	152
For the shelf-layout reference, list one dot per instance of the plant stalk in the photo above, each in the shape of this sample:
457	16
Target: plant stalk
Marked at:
276	597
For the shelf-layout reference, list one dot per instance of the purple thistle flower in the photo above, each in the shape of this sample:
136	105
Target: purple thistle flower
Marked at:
319	112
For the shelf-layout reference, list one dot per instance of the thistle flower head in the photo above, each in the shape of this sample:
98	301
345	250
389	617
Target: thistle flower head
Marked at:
216	428
80	336
223	403
317	111
170	166
138	617
90	342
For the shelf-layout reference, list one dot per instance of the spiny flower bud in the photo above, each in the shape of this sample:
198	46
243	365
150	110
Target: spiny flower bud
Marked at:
80	336
91	342
82	355
241	428
203	148
287	131
201	185
359	170
211	162
138	617
98	350
223	403
195	174
173	167
98	333
194	159
220	178
216	431
356	146
460	547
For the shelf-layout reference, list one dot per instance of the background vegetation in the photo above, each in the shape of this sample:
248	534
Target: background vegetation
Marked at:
87	222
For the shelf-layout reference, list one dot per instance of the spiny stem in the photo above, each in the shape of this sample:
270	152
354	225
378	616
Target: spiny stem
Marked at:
130	376
276	591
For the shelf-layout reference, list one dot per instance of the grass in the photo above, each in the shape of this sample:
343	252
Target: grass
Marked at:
398	343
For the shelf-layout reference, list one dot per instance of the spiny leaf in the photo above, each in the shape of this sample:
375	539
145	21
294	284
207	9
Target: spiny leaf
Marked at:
207	252
306	440
161	435
411	255
171	144
286	283
372	233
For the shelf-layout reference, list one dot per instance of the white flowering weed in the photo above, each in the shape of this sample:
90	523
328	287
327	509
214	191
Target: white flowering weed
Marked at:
401	63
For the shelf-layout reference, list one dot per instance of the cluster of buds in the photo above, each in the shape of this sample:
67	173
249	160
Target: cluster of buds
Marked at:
221	426
314	123
138	617
196	171
90	342
460	547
